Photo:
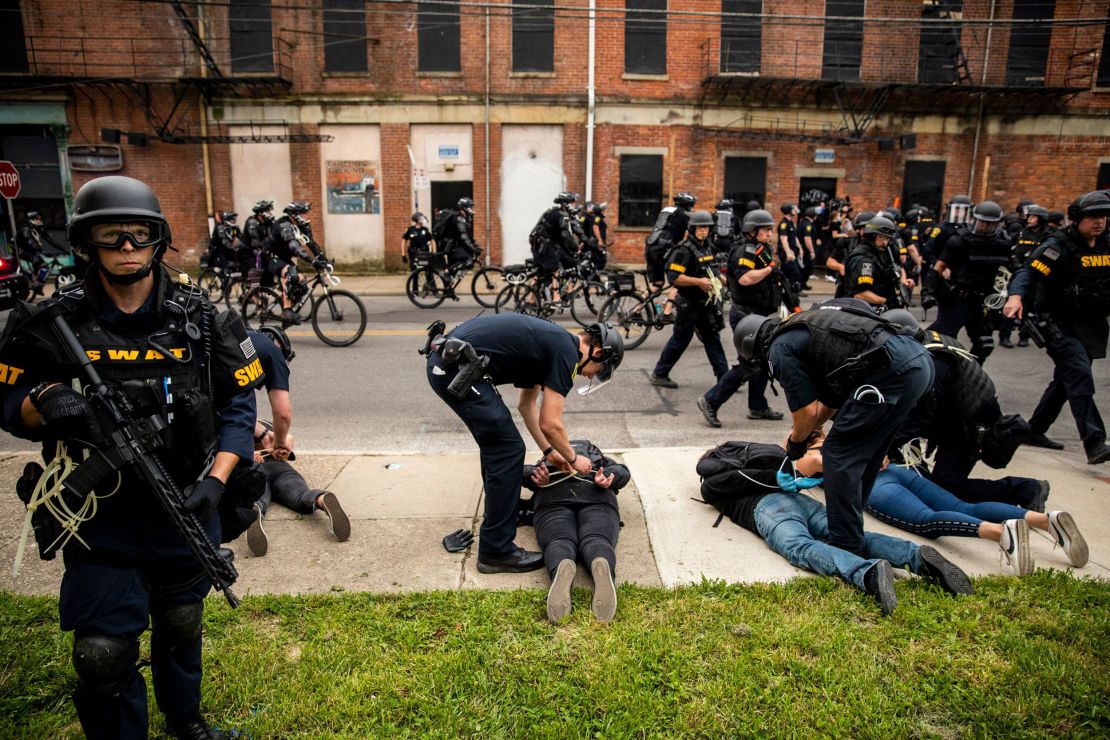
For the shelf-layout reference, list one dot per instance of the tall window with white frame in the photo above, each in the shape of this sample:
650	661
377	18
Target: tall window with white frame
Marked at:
438	37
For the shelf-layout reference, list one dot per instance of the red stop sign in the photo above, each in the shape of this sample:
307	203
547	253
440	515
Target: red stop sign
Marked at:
9	180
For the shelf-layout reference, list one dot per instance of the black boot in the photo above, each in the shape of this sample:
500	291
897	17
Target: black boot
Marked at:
878	581
195	728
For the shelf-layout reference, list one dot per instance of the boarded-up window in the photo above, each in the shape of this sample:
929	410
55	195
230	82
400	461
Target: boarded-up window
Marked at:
533	36
843	48
641	188
741	38
645	37
252	36
345	36
745	180
438	37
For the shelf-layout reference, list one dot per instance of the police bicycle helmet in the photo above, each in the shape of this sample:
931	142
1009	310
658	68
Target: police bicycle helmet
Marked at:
228	216
751	335
262	206
565	198
281	339
599	208
603	336
685	200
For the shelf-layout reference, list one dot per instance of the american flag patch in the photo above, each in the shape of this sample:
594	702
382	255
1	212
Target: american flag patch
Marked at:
248	348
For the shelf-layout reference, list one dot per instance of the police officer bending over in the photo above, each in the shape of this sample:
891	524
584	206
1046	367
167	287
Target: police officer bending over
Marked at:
840	360
872	273
1066	283
160	347
541	359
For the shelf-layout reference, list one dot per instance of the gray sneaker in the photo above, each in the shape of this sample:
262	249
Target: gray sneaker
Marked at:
605	591
558	596
257	540
340	523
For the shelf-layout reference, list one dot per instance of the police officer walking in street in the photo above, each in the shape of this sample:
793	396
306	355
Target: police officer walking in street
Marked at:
541	359
965	274
417	239
690	270
756	285
872	273
1066	284
257	229
1035	231
670	229
158	343
839	359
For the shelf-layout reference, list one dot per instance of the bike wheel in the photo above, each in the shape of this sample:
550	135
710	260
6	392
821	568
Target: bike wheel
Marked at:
426	288
512	298
261	306
67	277
234	292
631	314
338	318
485	286
587	301
211	282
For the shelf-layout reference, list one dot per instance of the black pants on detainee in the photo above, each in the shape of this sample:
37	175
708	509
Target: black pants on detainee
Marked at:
287	487
861	435
500	449
579	531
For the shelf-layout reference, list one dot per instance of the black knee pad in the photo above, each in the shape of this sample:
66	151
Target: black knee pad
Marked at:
105	663
179	625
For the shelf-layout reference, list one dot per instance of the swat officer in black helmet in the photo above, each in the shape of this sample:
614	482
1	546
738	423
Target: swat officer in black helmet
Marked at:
541	359
159	344
1035	231
670	229
257	229
756	285
841	360
552	239
690	269
1066	284
872	272
723	235
289	242
965	274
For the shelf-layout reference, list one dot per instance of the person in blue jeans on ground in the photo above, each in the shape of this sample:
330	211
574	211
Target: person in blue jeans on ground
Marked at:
797	527
903	498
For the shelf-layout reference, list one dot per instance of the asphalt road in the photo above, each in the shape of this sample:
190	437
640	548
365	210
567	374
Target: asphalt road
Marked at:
373	396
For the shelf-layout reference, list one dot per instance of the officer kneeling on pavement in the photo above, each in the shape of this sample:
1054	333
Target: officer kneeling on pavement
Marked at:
1064	287
172	375
540	358
840	361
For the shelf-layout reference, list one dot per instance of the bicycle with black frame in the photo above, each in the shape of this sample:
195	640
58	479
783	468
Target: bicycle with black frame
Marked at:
338	316
581	290
432	280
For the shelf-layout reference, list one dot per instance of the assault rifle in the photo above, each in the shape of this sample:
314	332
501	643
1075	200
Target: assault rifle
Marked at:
136	442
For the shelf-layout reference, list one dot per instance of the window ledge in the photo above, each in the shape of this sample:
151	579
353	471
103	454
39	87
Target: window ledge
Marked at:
1100	89
341	75
544	75
439	74
636	76
645	229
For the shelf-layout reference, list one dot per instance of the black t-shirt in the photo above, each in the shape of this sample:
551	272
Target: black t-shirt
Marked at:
694	260
524	350
787	229
419	238
273	362
789	363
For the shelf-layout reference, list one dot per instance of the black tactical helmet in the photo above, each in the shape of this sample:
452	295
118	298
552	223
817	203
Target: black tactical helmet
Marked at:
281	339
1039	211
599	208
811	212
724	204
685	200
750	336
862	218
263	206
564	198
988	211
34	216
755	220
913	214
228	216
786	208
960	200
465	204
1096	203
611	342
904	319
700	218
417	217
297	207
1055	217
892	213
753	205
881	225
118	199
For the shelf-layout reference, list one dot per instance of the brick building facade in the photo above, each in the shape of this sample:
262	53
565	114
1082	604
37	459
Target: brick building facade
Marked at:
371	110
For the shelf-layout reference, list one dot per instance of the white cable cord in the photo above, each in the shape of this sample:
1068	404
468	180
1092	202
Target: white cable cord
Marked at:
996	300
48	493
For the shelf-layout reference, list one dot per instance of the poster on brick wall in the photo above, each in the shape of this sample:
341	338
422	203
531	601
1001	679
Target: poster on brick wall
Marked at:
353	186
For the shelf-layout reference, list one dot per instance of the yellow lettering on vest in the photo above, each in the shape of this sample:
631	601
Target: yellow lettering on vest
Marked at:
9	374
123	354
865	280
1040	267
178	352
247	375
152	354
94	355
1095	260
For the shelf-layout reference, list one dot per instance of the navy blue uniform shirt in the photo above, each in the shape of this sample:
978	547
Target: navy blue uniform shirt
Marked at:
524	350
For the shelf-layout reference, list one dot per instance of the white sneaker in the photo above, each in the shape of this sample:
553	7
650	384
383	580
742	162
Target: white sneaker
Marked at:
830	279
1014	546
1062	527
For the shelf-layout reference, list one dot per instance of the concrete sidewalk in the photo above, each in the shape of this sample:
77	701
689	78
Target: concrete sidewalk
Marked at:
402	505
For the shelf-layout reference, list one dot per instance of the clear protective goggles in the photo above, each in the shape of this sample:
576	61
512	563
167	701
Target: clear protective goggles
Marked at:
140	234
593	386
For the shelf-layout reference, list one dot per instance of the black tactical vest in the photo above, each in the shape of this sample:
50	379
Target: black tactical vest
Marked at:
838	332
985	255
886	273
764	297
972	387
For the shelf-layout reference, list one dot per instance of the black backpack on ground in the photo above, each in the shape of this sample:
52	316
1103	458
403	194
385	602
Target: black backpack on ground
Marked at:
736	470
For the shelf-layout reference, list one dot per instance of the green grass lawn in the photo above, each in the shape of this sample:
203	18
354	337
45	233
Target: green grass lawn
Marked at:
812	657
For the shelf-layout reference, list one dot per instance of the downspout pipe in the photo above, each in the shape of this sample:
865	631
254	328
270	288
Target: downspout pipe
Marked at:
592	34
489	227
979	118
205	158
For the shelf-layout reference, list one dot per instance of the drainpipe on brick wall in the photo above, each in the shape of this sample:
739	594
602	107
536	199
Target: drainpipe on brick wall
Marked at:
979	118
489	229
204	133
590	101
